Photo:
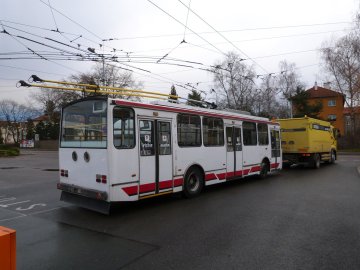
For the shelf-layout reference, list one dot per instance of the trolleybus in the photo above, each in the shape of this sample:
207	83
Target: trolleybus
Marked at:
114	150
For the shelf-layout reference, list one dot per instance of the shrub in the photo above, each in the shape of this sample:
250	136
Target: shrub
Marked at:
9	150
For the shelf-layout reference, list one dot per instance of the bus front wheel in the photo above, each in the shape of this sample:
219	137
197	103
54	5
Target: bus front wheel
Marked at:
193	182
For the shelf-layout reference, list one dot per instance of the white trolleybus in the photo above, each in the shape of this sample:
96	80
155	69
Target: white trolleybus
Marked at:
114	150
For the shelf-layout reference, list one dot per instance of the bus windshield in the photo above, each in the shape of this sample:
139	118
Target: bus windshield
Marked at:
84	125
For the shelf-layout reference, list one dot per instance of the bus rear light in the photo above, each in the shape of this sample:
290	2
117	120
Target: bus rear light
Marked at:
101	178
64	173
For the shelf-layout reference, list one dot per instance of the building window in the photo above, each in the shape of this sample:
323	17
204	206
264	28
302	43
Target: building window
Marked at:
332	103
332	117
188	129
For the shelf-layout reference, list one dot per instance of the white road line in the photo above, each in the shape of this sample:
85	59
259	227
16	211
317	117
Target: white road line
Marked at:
32	214
7	199
7	205
48	210
7	219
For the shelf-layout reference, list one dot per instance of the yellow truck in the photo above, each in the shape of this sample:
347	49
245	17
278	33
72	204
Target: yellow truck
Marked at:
307	141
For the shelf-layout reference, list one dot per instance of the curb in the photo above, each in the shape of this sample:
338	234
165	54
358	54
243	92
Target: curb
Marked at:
358	169
348	153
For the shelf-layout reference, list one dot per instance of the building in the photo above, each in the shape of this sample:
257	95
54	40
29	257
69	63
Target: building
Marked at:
349	125
332	105
10	133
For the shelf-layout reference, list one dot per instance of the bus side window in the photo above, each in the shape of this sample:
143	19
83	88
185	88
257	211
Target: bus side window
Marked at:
188	130
263	134
213	131
147	147
249	133
124	128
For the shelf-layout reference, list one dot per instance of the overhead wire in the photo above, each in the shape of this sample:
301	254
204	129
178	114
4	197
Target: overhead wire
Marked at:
212	45
87	30
236	47
233	30
97	59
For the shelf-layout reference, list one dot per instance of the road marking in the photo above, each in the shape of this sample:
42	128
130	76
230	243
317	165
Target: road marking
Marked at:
30	207
7	205
7	199
32	214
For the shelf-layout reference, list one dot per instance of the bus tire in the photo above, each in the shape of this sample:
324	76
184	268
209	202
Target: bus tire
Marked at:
193	182
316	161
264	169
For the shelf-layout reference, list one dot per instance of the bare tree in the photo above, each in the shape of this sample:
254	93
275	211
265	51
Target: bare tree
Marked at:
52	100
341	60
234	83
267	97
112	76
15	115
287	82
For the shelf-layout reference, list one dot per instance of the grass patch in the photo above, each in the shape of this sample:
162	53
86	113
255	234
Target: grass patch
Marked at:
9	150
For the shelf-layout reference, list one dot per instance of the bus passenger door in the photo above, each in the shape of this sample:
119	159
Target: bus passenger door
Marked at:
234	152
155	153
275	148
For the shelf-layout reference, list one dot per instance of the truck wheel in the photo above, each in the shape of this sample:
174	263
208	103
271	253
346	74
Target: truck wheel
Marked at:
332	157
316	161
193	183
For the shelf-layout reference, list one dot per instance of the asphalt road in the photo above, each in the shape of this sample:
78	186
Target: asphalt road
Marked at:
297	219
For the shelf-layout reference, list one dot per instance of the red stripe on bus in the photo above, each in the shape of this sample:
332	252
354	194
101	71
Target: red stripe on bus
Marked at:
246	172
238	173
274	165
255	169
147	187
131	190
210	176
221	176
230	174
165	184
183	110
178	182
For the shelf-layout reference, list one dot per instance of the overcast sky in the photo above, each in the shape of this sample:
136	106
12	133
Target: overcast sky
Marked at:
263	32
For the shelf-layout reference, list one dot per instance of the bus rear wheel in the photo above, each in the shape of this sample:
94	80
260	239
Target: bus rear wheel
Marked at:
193	182
264	169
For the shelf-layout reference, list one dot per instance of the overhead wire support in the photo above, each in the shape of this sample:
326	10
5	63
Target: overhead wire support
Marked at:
52	8
187	27
187	17
249	58
167	54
